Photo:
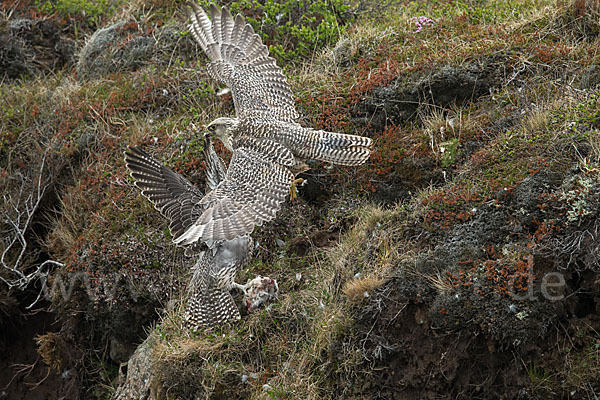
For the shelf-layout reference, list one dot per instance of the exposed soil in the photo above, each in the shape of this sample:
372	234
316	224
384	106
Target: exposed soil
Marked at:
23	373
414	362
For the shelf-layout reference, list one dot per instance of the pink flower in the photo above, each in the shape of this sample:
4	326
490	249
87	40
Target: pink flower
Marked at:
420	23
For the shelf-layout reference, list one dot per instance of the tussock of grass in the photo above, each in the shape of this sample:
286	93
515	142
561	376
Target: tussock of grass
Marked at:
358	289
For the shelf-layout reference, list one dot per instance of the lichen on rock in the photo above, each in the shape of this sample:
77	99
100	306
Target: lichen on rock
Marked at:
119	47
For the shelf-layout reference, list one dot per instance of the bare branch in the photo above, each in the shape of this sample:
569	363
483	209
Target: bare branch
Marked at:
18	216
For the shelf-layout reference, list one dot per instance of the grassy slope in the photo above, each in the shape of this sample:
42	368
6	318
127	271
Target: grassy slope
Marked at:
312	343
439	173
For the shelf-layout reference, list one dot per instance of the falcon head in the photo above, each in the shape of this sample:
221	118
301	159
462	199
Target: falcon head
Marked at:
223	129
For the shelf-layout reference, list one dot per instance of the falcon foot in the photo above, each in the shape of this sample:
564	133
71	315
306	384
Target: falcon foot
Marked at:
243	288
293	190
259	291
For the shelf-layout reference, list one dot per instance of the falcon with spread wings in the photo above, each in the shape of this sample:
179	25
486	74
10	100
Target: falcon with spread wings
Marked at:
269	147
209	300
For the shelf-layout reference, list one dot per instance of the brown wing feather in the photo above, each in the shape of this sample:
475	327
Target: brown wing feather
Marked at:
250	195
170	193
240	60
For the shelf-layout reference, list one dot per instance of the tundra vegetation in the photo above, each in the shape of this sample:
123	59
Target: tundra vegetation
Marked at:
460	262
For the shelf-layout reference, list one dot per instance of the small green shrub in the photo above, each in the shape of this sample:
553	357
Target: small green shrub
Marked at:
293	29
451	152
89	11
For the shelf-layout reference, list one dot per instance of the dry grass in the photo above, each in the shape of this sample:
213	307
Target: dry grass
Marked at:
592	161
442	127
258	348
326	68
582	366
436	280
52	348
359	288
65	229
547	103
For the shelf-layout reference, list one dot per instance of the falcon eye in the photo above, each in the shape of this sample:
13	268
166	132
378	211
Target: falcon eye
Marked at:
212	128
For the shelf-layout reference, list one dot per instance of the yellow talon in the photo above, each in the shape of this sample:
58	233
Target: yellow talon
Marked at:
293	190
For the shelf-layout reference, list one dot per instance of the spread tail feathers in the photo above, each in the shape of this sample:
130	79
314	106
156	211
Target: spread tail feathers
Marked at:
209	308
340	148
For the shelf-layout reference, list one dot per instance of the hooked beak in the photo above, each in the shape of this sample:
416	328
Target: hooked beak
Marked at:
207	133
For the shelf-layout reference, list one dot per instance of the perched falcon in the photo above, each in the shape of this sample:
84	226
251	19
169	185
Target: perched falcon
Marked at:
268	145
209	302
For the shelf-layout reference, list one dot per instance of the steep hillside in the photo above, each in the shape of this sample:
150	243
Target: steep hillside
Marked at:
460	262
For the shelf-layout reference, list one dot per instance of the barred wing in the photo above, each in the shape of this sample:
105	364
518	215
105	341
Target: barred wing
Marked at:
251	194
170	193
240	60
